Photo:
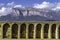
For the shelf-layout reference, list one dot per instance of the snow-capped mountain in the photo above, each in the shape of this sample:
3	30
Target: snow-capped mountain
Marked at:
29	13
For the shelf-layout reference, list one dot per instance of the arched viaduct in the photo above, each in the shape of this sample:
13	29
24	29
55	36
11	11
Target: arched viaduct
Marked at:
30	30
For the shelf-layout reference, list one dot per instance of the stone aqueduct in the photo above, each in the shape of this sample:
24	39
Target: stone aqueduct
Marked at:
30	30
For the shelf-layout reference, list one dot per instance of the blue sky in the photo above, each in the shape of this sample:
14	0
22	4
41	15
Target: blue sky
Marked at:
7	5
27	2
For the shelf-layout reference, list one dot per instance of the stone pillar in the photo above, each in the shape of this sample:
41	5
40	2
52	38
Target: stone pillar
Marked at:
27	30
57	31
10	31
19	31
8	34
1	34
34	31
49	31
42	31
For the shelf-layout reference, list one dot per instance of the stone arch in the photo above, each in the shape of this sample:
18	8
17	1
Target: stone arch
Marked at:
59	32
53	30
14	30
23	31
5	29
30	31
46	28
38	30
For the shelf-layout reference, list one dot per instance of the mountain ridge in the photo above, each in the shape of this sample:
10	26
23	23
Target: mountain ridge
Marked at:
30	14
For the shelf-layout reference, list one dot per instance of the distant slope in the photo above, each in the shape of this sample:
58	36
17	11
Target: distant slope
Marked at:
30	14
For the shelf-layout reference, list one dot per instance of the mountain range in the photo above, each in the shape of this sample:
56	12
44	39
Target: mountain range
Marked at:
31	14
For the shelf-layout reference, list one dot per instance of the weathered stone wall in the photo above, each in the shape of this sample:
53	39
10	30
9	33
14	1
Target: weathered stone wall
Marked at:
26	30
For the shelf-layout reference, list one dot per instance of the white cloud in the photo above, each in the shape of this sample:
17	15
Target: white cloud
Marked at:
14	5
47	5
7	10
44	4
57	6
19	6
10	4
4	11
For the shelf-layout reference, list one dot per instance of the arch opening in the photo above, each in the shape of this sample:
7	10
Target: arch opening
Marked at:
5	29
46	27
15	31
30	31
23	31
38	31
53	29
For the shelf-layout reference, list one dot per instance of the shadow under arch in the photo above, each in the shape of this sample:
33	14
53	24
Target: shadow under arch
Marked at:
5	29
53	29
46	28
38	30
23	31
30	31
14	31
